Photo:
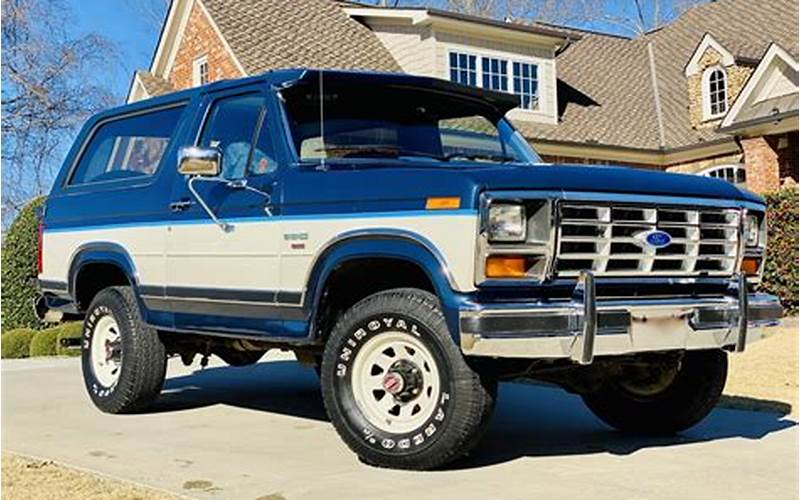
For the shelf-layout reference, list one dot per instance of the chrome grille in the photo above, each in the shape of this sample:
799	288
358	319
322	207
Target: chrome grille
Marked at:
609	239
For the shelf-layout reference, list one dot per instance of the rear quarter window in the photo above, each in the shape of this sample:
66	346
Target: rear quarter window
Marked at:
127	147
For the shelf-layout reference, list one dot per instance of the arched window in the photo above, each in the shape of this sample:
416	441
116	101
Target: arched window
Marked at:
732	173
715	93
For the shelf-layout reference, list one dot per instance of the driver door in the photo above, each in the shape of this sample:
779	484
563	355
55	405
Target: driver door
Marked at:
218	279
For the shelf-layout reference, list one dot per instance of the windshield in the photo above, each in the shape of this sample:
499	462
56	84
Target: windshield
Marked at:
399	122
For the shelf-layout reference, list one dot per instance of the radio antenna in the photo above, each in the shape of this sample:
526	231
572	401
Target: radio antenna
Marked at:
322	120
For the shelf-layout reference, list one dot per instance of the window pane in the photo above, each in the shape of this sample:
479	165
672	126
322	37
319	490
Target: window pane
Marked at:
127	147
230	128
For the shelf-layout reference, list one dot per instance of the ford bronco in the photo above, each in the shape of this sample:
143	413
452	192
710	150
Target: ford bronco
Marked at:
397	233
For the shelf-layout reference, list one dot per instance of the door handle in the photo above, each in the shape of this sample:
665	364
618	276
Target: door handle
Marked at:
180	205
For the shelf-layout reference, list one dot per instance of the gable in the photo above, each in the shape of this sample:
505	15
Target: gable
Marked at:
200	38
770	94
709	51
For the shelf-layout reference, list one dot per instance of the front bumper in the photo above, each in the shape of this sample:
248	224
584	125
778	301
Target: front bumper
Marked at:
584	327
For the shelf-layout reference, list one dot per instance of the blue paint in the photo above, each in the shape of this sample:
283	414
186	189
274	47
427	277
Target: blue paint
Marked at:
344	189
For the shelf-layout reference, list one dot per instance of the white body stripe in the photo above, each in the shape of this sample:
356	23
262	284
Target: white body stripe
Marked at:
261	255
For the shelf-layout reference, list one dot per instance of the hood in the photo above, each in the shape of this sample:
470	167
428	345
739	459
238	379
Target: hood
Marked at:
394	184
610	179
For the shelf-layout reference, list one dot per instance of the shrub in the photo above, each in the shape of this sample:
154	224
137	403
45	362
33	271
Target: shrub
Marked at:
71	330
16	343
44	343
781	267
19	269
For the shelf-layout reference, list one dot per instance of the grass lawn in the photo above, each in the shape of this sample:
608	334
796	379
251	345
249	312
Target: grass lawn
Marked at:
28	479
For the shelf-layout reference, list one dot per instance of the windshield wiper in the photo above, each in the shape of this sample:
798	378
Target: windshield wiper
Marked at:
481	156
355	150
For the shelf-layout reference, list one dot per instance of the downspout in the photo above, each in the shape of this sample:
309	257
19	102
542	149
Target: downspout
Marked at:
656	97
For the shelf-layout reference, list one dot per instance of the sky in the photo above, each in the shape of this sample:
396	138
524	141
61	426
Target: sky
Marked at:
121	23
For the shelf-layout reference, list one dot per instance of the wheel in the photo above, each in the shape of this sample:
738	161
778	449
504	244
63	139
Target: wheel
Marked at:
397	388
123	360
239	358
661	398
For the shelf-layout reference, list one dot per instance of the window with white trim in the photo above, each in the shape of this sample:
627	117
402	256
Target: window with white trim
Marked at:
494	73
526	84
734	173
715	92
200	71
463	69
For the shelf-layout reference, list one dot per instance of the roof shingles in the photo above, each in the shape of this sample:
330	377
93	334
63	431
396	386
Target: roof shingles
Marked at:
269	34
607	90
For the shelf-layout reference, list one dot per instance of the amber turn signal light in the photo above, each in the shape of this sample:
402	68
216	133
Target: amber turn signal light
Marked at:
750	266
443	203
508	266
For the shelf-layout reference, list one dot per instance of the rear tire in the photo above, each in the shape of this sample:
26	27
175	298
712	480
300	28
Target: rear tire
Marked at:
397	388
123	360
685	399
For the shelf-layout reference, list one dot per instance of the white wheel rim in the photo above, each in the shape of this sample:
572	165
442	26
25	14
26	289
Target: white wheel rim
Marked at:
106	357
374	366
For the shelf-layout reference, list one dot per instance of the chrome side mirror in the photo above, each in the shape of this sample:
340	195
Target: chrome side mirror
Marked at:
194	160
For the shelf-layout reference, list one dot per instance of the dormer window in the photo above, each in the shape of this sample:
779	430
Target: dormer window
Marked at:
715	93
200	71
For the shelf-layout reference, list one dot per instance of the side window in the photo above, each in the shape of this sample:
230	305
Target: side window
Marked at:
469	136
127	147
231	127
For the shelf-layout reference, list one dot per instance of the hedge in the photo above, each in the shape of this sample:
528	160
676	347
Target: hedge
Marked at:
781	267
19	269
44	343
16	343
71	330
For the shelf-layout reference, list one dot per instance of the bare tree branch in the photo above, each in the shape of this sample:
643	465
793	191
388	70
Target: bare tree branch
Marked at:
51	81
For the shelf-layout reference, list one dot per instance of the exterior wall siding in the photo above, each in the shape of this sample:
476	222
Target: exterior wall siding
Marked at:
200	38
412	47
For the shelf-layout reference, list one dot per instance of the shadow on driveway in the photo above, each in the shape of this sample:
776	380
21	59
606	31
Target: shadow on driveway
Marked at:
530	420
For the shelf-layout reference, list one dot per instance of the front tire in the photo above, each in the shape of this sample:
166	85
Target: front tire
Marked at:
660	400
123	360
397	388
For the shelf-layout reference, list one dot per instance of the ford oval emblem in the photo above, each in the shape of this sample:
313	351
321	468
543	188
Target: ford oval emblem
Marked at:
658	239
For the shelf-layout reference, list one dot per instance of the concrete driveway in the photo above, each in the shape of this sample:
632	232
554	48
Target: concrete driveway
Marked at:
261	431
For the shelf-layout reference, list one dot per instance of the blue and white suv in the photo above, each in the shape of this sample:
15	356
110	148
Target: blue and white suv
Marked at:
400	235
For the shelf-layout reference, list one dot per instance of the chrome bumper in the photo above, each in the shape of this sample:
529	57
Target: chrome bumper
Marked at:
585	327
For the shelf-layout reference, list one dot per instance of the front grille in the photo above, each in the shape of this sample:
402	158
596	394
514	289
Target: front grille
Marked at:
610	240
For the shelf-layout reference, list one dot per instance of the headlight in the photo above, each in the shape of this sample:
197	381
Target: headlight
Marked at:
507	223
751	231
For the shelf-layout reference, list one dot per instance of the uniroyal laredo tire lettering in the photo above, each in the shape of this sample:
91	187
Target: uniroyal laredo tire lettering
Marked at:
348	353
88	332
451	402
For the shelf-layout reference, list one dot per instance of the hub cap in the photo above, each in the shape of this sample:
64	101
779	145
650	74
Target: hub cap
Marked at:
395	382
105	351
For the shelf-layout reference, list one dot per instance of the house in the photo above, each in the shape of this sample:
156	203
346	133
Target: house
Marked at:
712	93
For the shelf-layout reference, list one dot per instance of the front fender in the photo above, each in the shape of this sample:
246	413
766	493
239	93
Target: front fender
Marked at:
388	243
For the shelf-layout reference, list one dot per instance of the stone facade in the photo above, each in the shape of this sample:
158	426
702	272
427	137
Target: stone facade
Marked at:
735	75
702	164
200	39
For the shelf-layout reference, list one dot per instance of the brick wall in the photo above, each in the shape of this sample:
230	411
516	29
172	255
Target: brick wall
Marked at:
762	163
198	40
